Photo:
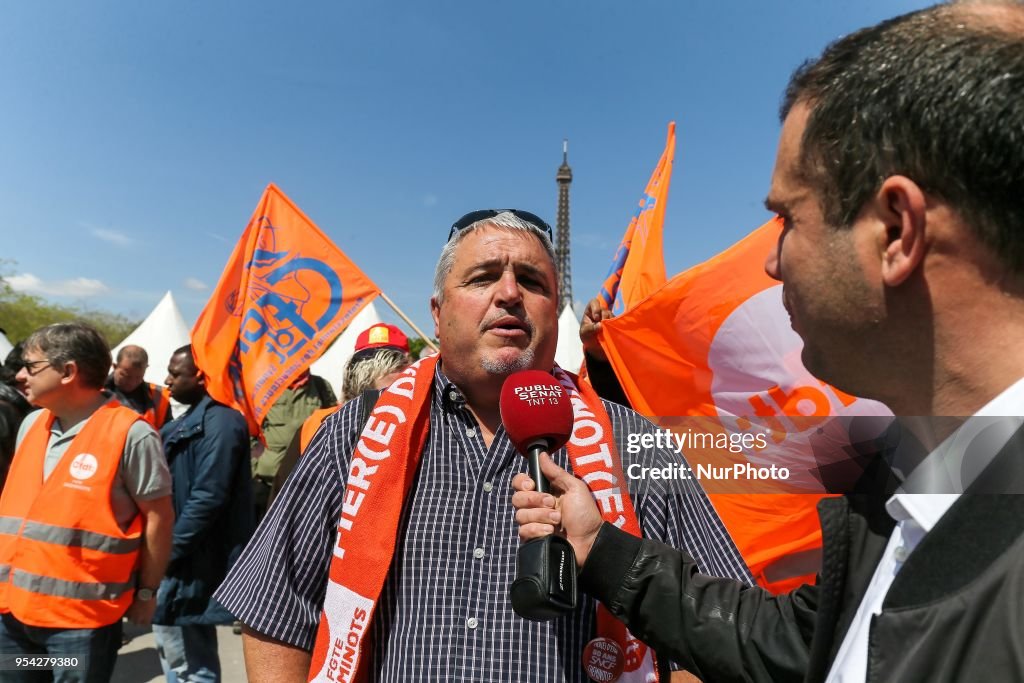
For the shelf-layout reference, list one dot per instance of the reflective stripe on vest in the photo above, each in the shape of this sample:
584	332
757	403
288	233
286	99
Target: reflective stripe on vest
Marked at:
76	590
794	565
10	525
73	538
68	561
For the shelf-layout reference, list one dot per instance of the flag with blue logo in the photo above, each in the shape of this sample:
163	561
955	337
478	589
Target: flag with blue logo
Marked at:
287	291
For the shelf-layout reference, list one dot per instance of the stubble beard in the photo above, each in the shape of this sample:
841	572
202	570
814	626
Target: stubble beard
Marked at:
523	361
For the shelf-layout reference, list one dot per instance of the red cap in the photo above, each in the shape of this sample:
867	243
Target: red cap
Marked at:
382	334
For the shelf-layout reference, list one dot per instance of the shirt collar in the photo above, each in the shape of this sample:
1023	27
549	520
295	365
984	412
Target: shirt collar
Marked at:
1010	403
954	465
925	509
189	424
447	396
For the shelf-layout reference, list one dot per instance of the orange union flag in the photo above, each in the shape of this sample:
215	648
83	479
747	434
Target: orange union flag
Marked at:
638	267
287	291
713	352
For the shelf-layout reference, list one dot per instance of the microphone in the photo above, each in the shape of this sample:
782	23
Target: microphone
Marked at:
537	416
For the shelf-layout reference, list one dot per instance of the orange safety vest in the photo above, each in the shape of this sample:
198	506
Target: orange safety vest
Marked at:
64	560
312	424
157	414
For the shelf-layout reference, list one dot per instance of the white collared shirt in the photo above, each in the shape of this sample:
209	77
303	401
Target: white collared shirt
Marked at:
917	513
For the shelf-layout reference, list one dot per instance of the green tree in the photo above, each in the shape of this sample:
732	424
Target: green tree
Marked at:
21	314
416	345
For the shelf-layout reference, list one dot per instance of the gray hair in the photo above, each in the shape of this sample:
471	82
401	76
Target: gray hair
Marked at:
505	220
62	343
362	371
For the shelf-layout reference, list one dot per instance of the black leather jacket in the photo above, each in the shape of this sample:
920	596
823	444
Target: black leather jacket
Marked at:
954	613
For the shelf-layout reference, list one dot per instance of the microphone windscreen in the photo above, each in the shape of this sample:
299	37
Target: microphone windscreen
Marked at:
534	406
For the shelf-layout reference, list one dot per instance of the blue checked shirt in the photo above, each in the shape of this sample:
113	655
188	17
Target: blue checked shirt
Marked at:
444	614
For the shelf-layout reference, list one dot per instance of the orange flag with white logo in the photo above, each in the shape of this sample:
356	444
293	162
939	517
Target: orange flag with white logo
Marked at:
638	267
287	291
712	353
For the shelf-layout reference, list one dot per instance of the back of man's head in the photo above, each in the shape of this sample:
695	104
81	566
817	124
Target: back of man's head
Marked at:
80	342
14	361
933	95
364	369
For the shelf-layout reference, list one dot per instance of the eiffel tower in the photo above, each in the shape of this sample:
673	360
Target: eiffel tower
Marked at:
562	258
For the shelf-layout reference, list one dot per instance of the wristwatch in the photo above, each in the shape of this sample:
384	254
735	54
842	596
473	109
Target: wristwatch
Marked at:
145	594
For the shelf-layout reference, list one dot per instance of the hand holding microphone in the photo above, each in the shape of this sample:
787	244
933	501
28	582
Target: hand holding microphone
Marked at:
568	508
538	418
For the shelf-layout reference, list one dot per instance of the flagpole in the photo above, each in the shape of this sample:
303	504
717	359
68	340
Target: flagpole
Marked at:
408	322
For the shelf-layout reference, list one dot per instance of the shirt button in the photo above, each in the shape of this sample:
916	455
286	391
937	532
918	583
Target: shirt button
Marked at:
472	623
488	486
471	431
452	395
901	554
478	553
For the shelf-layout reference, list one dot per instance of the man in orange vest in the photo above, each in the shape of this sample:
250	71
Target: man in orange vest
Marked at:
86	516
127	384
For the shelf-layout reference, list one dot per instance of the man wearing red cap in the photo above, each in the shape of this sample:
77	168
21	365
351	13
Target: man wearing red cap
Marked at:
382	351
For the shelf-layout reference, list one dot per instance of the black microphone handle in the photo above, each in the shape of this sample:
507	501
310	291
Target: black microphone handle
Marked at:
533	463
545	585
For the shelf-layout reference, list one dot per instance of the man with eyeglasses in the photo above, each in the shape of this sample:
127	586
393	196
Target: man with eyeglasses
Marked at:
404	575
85	517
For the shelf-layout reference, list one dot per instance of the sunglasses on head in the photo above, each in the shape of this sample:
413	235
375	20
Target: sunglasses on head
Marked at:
483	214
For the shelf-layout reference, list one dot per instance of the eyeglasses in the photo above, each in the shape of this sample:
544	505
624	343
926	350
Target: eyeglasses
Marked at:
483	214
34	367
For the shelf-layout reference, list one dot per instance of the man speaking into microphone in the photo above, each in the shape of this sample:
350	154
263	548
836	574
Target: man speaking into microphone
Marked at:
407	520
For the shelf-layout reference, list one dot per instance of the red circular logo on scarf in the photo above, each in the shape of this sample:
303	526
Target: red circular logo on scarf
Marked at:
603	660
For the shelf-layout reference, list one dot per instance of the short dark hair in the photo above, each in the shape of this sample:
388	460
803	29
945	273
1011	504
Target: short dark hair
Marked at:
80	342
934	95
187	350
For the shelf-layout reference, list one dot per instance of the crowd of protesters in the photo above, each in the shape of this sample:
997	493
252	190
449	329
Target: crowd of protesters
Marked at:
164	505
898	179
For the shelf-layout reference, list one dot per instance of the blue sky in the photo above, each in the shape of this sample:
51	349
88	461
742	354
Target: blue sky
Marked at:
136	138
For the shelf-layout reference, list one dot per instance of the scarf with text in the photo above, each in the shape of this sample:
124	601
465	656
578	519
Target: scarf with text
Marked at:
380	477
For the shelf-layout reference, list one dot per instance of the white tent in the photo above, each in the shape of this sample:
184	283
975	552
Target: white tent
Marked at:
569	352
5	346
331	365
163	331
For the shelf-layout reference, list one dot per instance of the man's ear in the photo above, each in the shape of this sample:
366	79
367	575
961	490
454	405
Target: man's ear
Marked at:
69	372
435	313
901	206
